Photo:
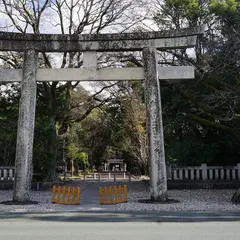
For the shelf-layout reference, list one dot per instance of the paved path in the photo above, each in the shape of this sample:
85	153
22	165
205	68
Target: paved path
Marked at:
119	226
90	194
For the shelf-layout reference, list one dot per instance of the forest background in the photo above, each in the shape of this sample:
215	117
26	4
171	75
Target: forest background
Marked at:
86	124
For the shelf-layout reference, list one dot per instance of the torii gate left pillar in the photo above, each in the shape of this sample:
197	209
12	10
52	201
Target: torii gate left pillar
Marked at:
26	123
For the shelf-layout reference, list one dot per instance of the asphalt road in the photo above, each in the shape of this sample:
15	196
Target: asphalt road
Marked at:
116	226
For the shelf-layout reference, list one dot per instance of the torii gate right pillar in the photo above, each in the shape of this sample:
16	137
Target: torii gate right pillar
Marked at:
156	153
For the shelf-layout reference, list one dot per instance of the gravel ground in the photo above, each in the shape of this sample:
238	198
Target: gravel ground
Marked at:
42	197
189	200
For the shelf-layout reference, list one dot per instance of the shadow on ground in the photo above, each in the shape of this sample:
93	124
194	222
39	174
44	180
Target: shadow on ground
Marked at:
122	217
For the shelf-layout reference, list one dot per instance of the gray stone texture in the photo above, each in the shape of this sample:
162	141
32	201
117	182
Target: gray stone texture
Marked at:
93	74
100	46
90	60
99	42
26	119
104	37
158	174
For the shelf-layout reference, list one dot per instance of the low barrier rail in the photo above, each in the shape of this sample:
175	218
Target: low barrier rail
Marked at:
66	195
204	173
113	195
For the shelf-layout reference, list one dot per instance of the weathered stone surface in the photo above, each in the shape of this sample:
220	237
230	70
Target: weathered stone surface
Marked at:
100	42
90	74
90	59
10	75
93	74
105	37
76	74
158	173
178	72
26	119
100	46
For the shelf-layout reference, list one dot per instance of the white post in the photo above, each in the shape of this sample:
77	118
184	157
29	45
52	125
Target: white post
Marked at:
181	174
125	167
186	174
157	164
204	171
5	174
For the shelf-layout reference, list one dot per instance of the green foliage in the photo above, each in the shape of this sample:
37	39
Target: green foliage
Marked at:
188	7
8	132
223	6
74	154
41	157
118	128
210	133
180	13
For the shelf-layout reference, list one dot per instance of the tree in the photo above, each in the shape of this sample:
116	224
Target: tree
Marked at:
134	120
9	97
67	17
206	109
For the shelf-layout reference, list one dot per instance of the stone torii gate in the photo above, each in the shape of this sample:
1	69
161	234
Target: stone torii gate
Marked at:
148	43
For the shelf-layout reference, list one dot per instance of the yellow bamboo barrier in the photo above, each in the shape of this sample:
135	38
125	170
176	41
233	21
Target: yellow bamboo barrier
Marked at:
113	195
67	196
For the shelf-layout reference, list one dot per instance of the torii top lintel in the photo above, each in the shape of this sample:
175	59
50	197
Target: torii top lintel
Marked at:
182	38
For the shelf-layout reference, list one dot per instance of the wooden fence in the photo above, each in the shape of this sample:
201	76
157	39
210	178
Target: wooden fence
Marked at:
204	173
67	196
113	195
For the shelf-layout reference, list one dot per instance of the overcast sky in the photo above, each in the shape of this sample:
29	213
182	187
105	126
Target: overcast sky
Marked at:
49	24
